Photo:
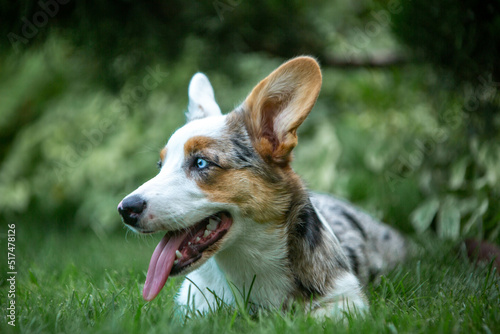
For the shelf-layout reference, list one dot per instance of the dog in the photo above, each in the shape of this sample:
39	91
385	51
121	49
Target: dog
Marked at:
237	217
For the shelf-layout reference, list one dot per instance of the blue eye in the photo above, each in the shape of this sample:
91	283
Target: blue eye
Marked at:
201	163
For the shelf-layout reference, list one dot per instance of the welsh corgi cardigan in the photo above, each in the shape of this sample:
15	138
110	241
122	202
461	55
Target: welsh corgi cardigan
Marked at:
236	214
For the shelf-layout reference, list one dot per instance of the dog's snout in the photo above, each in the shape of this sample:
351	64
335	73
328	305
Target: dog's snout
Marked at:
131	209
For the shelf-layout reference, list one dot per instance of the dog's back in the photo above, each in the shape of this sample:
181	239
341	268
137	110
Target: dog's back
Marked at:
371	246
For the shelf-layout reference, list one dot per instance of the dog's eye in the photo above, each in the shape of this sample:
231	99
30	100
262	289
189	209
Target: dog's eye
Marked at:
201	163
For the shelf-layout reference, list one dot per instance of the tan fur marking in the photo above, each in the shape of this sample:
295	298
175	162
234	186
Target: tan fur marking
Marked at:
163	154
255	197
198	144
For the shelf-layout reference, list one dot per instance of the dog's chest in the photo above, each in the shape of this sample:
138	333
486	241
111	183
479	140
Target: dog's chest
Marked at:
252	268
266	281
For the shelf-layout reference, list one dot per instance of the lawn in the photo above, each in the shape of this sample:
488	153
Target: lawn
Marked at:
66	169
77	283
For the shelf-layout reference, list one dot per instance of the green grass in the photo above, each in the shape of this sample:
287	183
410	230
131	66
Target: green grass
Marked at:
89	278
77	283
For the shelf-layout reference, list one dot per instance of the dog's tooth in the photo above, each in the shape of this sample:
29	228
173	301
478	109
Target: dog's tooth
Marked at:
212	224
176	261
206	234
198	239
189	243
178	254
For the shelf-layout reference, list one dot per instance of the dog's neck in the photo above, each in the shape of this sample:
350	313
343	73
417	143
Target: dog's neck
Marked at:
289	259
314	252
261	253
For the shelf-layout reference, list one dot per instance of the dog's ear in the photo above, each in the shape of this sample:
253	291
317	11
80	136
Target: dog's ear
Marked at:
201	99
278	105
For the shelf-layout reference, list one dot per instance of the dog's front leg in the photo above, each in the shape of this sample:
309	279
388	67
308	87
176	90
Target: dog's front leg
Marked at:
346	297
204	290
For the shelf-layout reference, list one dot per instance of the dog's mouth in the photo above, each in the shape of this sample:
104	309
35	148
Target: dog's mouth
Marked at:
178	250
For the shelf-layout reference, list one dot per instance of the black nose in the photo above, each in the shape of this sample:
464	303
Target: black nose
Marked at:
131	209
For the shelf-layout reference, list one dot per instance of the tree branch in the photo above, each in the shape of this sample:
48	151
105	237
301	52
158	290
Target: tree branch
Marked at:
373	61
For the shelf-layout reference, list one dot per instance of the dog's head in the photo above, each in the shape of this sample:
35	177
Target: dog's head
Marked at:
219	168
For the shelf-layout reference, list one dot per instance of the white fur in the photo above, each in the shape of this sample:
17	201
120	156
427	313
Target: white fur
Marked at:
249	249
197	296
174	200
260	251
323	221
201	99
347	296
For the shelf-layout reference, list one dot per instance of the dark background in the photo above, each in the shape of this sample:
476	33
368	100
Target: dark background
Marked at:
406	125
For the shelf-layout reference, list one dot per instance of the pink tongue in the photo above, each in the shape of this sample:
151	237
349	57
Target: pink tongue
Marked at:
161	264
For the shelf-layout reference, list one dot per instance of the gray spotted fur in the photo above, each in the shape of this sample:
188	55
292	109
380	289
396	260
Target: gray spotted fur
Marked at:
371	246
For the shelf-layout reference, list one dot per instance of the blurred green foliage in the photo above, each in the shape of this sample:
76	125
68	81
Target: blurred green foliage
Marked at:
124	36
461	39
91	98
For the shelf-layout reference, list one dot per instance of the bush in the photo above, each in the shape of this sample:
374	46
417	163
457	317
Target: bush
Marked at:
461	39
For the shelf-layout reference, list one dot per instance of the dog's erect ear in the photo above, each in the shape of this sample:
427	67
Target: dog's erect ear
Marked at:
201	99
278	105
